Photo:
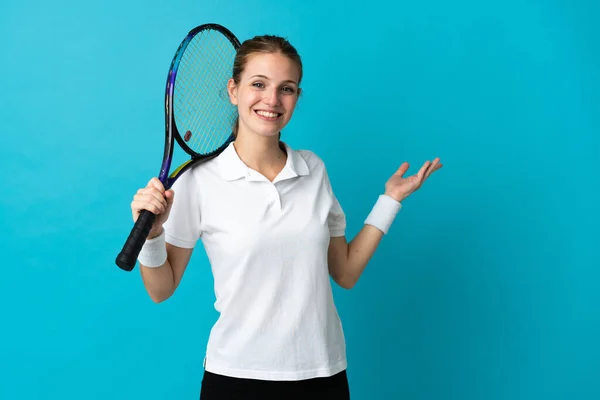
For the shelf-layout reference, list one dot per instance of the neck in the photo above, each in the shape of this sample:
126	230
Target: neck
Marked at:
258	152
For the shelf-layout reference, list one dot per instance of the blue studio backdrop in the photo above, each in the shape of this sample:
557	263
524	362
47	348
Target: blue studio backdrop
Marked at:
486	287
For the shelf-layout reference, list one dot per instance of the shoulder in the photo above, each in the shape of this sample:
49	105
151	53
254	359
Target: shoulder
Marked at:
316	166
312	160
195	175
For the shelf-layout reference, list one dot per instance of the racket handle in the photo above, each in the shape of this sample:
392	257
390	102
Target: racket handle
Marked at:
128	256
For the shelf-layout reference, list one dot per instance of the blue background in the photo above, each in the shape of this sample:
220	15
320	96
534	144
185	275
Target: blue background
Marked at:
488	284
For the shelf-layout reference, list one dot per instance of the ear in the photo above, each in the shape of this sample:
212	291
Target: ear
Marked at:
232	91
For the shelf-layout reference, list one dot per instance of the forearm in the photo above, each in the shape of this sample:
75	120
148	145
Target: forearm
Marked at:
158	279
360	251
347	261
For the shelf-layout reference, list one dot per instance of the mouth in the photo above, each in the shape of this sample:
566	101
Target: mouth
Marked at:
268	115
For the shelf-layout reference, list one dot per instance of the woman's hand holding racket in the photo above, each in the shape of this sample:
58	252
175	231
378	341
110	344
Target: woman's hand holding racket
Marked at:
157	200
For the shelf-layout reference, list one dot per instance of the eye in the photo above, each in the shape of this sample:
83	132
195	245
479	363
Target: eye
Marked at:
259	85
288	89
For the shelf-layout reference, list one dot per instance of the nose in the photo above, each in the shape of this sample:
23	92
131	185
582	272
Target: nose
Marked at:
272	97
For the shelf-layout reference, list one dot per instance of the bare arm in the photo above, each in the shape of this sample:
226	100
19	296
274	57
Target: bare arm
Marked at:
347	261
161	282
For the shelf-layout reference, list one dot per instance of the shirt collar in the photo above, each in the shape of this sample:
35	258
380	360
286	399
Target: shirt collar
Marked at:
232	167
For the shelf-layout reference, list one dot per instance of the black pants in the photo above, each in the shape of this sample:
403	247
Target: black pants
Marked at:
219	387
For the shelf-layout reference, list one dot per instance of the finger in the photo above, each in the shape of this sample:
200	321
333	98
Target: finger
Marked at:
169	196
435	165
151	192
156	183
153	208
151	195
423	170
151	204
403	168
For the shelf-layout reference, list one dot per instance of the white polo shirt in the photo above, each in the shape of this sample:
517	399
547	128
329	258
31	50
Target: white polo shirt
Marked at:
267	244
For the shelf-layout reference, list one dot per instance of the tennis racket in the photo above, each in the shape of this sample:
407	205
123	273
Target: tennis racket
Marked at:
198	115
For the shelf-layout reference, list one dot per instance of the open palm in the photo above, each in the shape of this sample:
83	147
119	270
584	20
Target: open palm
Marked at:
400	187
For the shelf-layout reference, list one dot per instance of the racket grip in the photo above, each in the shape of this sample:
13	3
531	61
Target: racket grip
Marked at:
127	258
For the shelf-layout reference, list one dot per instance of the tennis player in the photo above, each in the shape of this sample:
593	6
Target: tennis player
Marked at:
274	233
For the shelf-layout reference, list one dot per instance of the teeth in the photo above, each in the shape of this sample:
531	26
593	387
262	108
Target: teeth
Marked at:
267	114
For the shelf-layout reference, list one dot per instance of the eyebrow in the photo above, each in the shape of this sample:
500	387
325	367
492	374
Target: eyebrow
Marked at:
265	77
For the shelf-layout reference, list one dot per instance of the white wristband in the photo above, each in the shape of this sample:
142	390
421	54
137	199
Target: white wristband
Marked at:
383	213
154	252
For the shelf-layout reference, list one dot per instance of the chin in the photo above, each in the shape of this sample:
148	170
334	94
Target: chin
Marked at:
264	129
267	131
268	134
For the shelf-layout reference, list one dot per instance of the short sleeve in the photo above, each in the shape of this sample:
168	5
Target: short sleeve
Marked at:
336	219
182	229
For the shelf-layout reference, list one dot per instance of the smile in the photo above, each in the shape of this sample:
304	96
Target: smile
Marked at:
268	116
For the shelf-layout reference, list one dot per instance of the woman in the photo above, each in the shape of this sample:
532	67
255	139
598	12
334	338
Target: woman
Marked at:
274	232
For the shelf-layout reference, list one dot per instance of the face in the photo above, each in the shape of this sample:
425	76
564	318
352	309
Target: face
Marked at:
266	95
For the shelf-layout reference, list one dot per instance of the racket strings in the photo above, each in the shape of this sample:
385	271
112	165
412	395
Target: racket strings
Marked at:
222	113
200	98
194	111
190	66
210	141
213	119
